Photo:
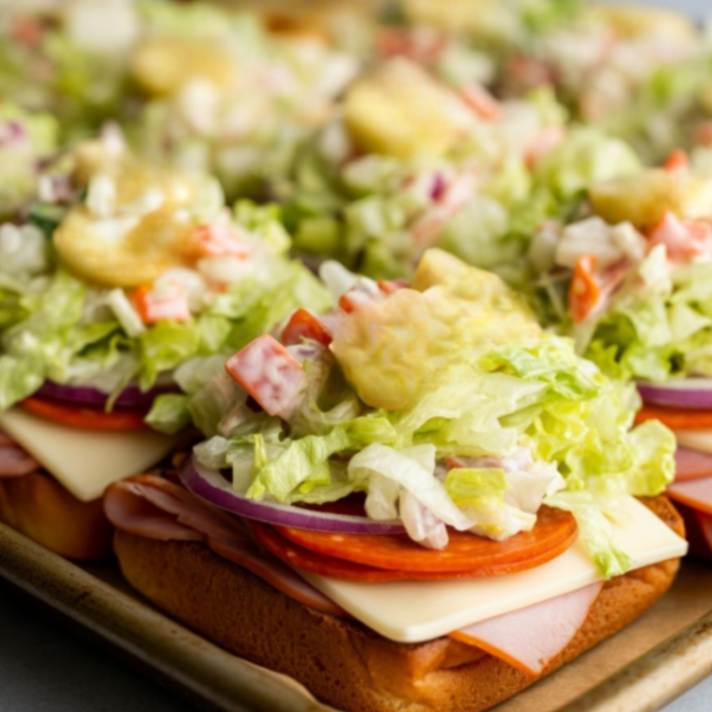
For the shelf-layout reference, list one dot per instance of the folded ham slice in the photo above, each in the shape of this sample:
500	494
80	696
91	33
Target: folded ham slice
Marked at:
691	464
155	508
529	638
695	493
14	461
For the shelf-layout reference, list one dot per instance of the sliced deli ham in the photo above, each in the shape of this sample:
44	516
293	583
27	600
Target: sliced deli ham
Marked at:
155	508
692	464
694	493
14	461
529	638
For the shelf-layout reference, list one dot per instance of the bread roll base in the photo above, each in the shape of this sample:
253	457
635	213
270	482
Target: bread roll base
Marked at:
39	507
341	661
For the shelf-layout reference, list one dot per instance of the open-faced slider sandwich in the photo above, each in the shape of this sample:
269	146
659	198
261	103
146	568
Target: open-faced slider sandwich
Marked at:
630	280
108	291
420	501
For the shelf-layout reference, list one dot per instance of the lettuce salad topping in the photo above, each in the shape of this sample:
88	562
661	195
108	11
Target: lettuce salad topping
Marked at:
472	175
638	72
444	402
133	271
630	280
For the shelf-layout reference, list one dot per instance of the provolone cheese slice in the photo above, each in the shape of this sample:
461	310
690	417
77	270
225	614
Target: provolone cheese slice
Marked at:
412	612
86	462
695	439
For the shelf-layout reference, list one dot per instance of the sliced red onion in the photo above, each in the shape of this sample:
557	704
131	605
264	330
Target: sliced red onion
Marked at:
130	397
211	486
693	393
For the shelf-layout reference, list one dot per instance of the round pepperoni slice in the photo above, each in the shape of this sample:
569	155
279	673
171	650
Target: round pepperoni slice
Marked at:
300	558
553	533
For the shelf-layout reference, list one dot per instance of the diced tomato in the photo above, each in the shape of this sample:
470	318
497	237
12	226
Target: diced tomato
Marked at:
422	46
26	30
362	293
168	302
529	72
676	161
683	239
84	417
304	325
219	239
482	103
584	292
543	143
270	374
703	134
428	228
388	286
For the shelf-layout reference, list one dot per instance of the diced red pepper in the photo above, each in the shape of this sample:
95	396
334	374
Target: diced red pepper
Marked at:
219	239
270	374
584	292
170	301
304	325
676	161
482	103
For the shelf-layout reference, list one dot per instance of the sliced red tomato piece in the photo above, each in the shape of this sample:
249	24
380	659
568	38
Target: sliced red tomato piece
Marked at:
83	417
304	325
584	292
269	373
676	418
553	533
694	493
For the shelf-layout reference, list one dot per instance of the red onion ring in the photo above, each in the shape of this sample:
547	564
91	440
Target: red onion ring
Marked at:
692	393
212	487
131	397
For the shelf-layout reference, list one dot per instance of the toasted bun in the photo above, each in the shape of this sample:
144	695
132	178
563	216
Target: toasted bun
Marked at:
342	662
38	506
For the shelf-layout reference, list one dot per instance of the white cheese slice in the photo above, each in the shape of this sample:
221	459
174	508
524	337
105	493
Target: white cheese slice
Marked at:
700	440
86	462
411	612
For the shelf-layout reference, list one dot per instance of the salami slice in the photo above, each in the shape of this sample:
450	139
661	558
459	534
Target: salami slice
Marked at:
553	533
306	559
676	418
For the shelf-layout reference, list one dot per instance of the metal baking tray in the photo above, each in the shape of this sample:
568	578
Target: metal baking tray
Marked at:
649	663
